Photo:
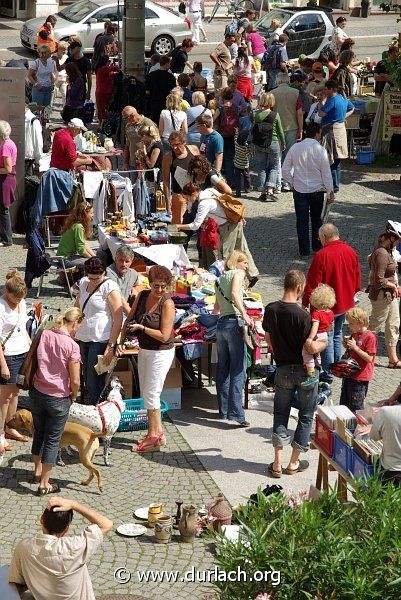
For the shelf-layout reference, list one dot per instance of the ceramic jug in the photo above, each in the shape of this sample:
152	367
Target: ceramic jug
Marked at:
155	511
187	526
163	529
221	512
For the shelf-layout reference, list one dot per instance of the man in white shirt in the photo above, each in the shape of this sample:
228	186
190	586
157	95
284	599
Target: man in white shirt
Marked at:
52	564
307	170
195	16
33	141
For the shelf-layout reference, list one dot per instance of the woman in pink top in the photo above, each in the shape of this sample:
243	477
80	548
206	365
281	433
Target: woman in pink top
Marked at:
55	386
243	67
254	42
8	184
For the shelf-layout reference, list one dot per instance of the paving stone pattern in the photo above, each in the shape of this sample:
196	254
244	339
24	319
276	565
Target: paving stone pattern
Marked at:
362	208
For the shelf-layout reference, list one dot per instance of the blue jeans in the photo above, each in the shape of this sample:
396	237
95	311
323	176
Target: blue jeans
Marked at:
335	169
305	205
94	383
333	352
268	166
288	379
230	377
42	97
49	418
228	160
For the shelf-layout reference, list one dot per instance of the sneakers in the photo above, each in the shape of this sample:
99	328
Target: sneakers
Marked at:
285	187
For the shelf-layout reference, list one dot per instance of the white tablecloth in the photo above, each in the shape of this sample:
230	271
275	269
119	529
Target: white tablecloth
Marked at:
161	254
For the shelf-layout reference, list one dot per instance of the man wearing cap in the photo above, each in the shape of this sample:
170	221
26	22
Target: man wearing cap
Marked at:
64	152
339	35
318	78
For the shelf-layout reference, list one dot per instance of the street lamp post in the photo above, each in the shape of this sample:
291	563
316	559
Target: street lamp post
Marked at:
134	38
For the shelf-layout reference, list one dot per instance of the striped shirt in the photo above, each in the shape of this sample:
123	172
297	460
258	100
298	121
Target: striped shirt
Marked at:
241	155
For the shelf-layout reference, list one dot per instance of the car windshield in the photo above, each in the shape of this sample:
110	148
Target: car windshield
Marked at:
265	22
77	11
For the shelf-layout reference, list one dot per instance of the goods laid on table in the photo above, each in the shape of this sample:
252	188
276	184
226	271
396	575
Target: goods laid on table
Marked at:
337	435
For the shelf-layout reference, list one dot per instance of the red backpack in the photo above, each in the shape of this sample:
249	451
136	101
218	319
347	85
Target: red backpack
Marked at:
228	121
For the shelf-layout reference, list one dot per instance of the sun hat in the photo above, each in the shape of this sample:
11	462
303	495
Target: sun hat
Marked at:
77	123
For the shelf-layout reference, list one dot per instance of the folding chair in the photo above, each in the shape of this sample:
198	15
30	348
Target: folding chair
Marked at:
58	263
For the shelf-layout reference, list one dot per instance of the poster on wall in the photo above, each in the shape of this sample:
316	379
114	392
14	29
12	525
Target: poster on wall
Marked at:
392	114
12	110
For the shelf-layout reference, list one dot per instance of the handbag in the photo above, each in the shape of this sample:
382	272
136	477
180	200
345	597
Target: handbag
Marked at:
249	334
24	380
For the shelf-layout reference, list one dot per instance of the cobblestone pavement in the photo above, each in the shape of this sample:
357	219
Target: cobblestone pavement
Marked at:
361	210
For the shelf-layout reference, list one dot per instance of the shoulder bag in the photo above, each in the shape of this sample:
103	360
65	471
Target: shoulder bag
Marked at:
91	294
249	334
4	342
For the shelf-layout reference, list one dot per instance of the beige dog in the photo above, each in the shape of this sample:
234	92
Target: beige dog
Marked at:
83	438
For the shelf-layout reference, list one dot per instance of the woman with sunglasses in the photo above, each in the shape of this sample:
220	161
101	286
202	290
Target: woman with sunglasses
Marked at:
76	231
42	76
152	317
99	298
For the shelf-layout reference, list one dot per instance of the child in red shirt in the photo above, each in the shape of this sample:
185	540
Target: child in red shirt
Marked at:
363	346
322	300
209	242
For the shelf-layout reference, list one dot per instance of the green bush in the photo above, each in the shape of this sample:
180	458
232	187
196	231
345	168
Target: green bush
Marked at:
324	549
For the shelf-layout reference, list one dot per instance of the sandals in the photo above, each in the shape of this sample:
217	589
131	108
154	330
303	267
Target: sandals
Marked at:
394	365
272	472
302	466
54	489
150	443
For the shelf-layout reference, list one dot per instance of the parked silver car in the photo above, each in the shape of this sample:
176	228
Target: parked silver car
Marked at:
164	28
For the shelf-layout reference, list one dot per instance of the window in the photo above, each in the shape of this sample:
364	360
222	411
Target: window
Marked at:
306	23
77	11
150	14
108	14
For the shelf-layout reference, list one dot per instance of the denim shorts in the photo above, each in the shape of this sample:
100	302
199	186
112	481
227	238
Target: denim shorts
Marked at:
14	363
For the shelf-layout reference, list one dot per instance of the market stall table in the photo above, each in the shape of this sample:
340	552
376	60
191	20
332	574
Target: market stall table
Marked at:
160	254
326	464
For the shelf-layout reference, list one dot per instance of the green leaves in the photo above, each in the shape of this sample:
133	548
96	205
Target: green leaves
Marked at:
325	549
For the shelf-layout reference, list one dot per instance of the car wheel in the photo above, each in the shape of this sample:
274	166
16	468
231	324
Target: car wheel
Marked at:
163	45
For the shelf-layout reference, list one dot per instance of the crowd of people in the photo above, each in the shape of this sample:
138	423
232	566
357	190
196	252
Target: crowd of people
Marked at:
203	145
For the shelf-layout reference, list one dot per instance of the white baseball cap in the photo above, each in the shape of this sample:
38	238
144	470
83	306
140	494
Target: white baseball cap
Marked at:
77	123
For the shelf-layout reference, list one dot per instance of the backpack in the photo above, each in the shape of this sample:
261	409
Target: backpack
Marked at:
272	57
232	28
228	121
262	132
46	136
234	209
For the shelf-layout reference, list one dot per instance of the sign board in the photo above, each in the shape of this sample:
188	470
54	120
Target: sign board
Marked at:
12	110
392	114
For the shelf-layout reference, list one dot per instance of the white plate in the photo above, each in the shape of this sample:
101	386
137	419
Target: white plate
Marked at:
131	529
142	513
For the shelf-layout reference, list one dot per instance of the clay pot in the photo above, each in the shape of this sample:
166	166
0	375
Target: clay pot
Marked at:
187	526
163	529
220	509
155	511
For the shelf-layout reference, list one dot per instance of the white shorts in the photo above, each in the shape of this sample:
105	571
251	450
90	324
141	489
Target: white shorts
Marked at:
153	366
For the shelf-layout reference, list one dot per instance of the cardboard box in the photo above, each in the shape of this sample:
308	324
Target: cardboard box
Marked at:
124	371
172	396
173	379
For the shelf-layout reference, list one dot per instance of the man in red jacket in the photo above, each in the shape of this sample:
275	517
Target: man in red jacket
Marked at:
336	264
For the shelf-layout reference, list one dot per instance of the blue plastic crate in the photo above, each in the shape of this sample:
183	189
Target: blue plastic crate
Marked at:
365	157
361	469
343	454
135	415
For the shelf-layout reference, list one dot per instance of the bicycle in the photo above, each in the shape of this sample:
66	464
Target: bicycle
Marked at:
234	8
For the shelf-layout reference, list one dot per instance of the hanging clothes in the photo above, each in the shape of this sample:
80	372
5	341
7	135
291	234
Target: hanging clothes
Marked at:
141	197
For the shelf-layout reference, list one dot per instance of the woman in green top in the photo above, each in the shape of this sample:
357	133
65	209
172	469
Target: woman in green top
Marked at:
268	148
230	371
76	230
